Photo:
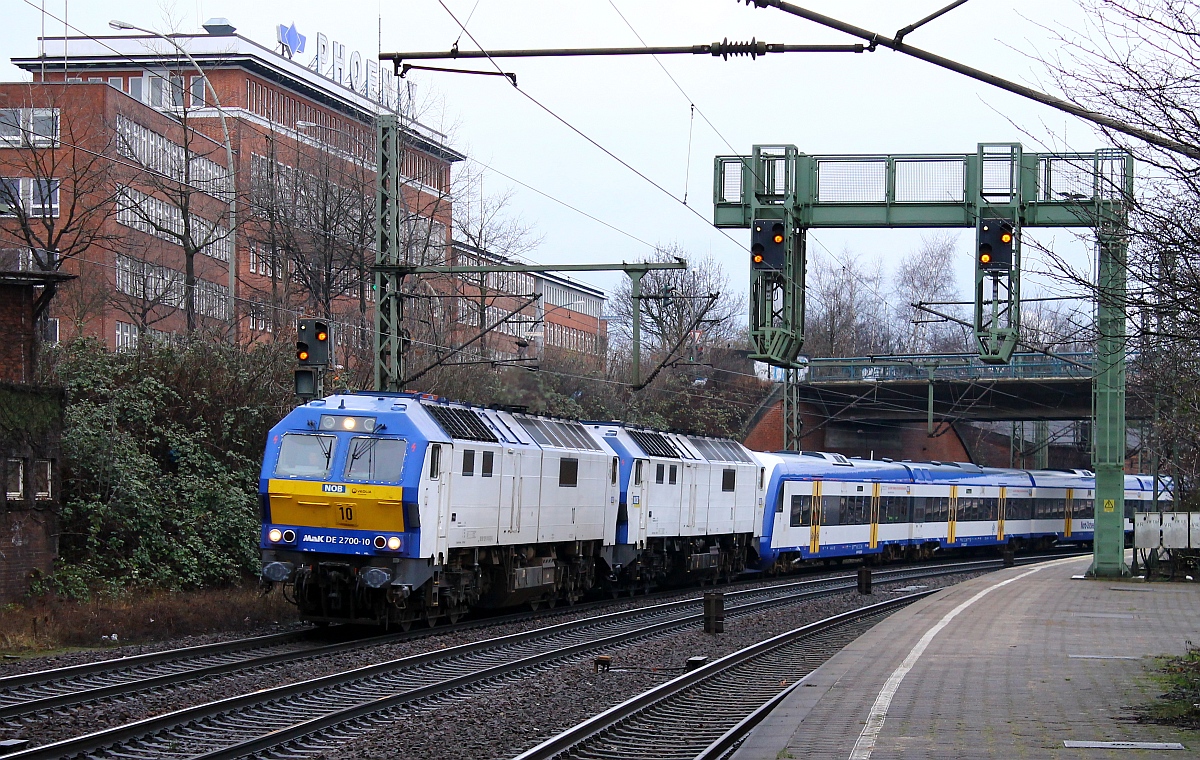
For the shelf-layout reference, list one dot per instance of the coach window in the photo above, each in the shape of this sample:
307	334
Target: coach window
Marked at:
801	511
674	473
489	462
305	456
616	465
762	474
831	510
468	462
728	478
637	473
568	473
435	462
918	509
660	473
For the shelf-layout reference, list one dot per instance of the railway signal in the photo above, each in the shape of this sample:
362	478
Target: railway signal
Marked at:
995	245
768	245
312	343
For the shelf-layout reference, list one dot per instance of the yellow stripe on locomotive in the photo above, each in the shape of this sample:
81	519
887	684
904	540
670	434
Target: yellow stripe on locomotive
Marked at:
359	506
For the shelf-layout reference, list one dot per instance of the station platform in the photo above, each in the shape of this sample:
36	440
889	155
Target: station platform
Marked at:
1020	663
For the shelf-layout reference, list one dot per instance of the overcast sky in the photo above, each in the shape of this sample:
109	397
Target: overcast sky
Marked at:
881	102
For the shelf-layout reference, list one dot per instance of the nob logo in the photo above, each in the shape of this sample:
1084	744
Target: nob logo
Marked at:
330	488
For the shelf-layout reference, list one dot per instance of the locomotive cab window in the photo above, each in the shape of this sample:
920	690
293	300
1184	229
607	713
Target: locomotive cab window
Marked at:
568	473
375	459
616	466
305	456
468	463
637	473
728	478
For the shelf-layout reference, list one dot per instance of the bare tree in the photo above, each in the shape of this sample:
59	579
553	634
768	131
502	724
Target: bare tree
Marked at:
847	314
679	306
180	193
926	276
1138	61
57	183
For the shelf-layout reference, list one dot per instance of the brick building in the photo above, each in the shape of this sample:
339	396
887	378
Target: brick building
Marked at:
31	421
120	145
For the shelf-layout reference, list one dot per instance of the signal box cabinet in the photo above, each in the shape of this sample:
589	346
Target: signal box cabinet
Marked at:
1175	530
1147	530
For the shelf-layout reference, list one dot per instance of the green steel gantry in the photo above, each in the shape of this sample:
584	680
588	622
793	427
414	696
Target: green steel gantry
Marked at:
997	181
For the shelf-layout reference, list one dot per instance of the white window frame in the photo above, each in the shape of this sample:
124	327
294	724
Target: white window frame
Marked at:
49	492
20	492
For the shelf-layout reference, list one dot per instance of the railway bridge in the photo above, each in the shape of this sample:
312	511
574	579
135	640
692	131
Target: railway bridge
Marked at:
944	406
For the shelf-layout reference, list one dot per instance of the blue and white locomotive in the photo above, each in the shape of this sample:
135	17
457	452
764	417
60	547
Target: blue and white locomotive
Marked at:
397	508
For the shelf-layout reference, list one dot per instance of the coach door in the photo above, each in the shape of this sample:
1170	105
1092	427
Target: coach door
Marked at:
952	524
637	496
814	531
1067	510
1000	514
874	540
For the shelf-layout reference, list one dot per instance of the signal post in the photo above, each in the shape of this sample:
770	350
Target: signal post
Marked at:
1000	189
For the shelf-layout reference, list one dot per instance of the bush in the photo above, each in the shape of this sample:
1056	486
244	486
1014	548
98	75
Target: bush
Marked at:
161	456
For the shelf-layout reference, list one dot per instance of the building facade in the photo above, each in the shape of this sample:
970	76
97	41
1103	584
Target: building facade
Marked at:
204	182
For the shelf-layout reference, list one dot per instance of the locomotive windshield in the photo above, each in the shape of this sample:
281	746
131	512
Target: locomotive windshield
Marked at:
305	456
378	459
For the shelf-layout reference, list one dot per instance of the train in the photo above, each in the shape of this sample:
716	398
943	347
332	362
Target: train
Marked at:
397	508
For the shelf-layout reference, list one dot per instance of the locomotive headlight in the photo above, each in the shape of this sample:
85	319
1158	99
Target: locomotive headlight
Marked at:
394	543
275	535
348	423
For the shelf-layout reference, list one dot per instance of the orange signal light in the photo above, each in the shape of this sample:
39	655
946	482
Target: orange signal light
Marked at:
985	258
1006	237
778	239
302	356
321	336
758	259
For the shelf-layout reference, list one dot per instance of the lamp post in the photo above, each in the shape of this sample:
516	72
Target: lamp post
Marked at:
126	26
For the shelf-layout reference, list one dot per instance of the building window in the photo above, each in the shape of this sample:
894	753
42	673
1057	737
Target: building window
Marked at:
43	479
31	127
45	197
568	473
127	337
16	479
135	89
10	196
117	83
197	92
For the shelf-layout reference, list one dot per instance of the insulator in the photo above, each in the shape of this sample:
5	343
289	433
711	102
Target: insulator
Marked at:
753	48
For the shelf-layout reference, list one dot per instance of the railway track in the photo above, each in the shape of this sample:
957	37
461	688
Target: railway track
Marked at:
59	688
702	714
307	716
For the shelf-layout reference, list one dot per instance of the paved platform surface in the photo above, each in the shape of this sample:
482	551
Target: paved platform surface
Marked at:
1029	658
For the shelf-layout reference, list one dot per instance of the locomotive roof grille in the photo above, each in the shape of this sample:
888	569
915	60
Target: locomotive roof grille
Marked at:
558	433
718	450
463	424
655	444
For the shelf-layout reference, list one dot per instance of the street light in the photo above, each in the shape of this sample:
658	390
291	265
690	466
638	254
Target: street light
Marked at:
126	26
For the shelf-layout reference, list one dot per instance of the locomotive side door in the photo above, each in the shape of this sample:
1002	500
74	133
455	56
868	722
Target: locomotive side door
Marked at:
637	497
436	489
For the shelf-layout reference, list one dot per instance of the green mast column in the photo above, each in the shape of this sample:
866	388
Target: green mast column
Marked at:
1108	559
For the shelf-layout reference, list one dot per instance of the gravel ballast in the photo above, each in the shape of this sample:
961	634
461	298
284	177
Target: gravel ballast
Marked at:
513	715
